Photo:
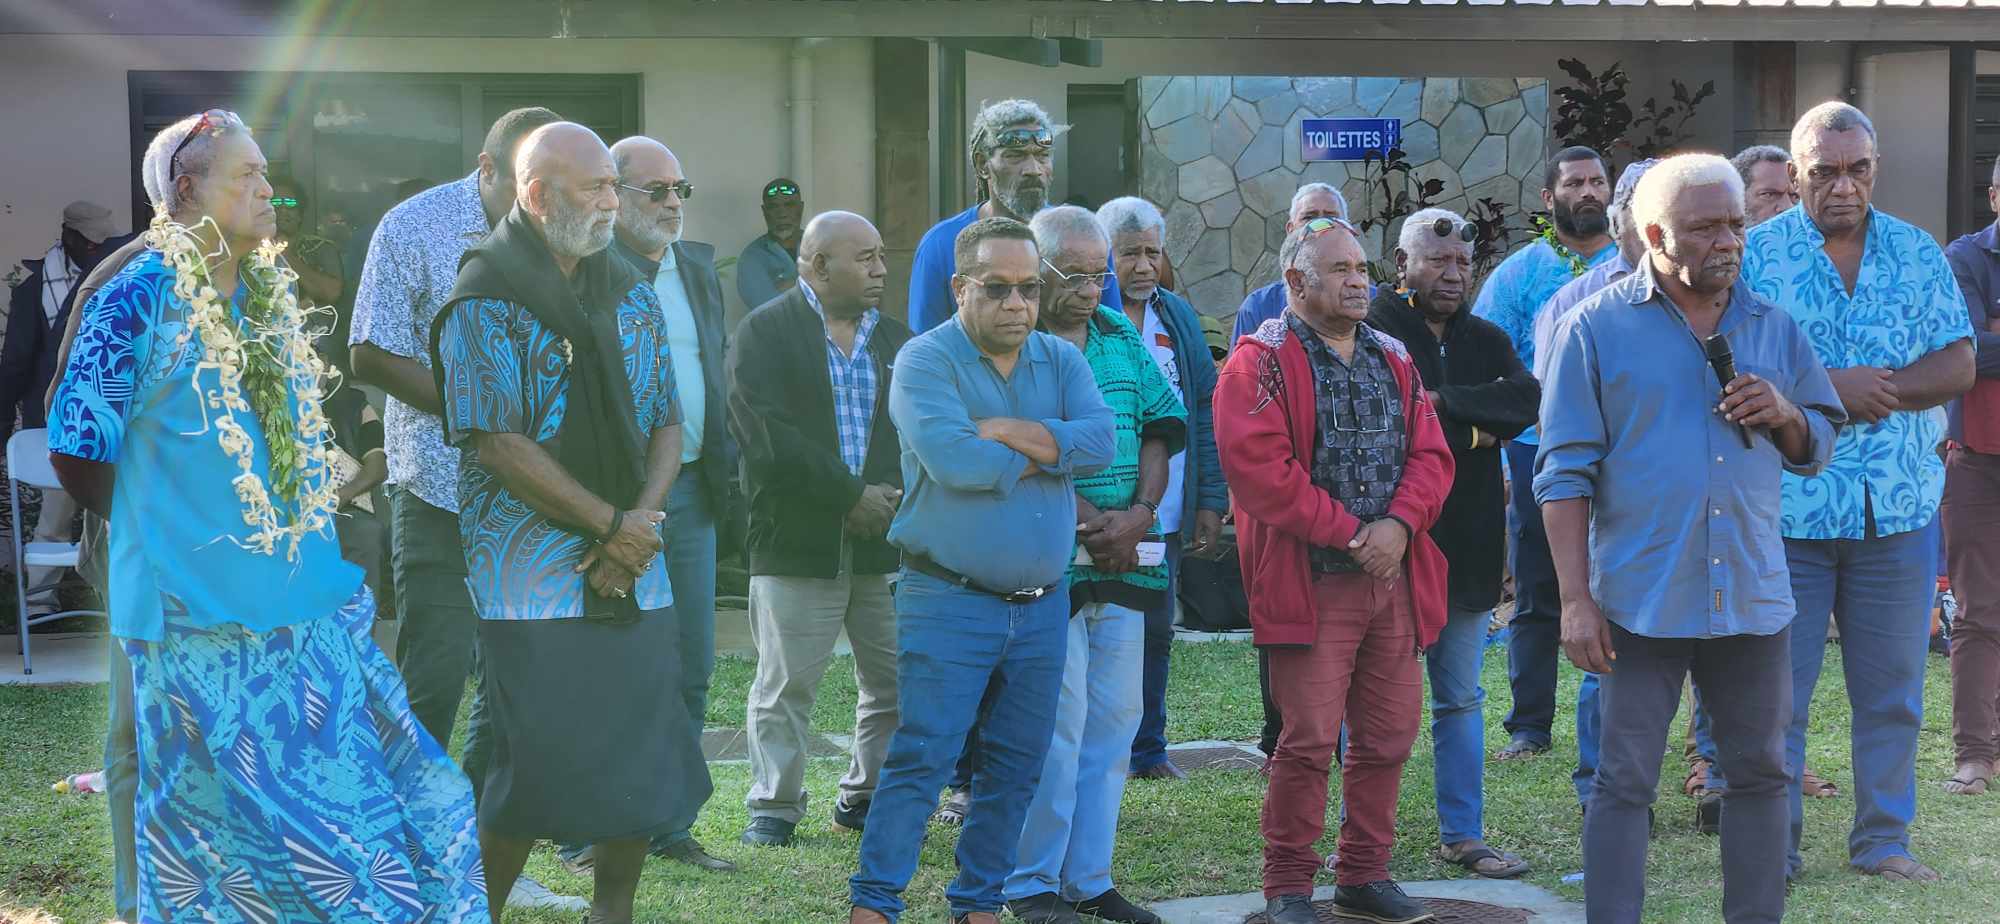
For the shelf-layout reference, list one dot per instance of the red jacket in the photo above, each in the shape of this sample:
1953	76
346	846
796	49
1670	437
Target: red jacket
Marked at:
1265	426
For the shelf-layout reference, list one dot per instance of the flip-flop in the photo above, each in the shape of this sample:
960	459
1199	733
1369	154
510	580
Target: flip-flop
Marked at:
1504	865
952	812
1900	868
1967	780
1696	782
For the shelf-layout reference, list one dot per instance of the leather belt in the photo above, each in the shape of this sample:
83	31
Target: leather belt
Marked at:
922	564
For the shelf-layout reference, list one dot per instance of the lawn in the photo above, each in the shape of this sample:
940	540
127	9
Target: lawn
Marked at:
1177	839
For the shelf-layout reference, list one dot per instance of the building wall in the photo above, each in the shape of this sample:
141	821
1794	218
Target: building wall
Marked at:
720	104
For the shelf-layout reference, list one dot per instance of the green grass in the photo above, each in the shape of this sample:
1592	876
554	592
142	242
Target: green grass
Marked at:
1193	838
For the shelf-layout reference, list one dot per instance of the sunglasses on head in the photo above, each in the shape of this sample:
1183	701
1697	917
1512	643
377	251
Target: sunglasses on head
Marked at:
1445	227
284	202
212	119
658	191
1319	226
775	190
1031	291
1025	138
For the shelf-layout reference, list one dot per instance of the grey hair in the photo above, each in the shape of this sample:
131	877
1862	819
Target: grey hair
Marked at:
156	168
1311	188
993	118
1292	253
1747	159
1663	184
1830	116
1129	214
1055	228
1417	230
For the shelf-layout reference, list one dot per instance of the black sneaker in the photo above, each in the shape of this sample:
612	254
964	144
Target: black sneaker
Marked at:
849	819
765	831
1291	909
1112	906
1046	908
1708	814
1382	901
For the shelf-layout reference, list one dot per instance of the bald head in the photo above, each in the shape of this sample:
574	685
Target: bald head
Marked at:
840	256
568	189
652	191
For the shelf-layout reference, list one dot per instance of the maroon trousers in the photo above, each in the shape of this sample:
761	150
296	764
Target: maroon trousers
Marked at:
1361	669
1972	561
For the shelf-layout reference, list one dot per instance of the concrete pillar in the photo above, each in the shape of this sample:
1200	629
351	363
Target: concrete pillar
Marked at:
902	159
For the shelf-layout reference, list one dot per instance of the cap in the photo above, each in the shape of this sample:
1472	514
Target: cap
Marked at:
780	187
1628	181
89	219
1215	333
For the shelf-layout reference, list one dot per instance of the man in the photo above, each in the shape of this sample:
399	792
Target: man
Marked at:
316	259
652	191
1482	395
1767	182
558	384
1012	149
1971	516
769	264
1173	333
1338	469
1064	865
1576	186
1313	200
998	421
1879	304
1660	530
411	265
326	730
809	377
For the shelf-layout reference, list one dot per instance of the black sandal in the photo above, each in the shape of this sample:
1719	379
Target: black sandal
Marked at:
1509	866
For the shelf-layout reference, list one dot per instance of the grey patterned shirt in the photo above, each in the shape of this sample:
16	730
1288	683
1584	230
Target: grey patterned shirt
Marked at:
1358	457
412	265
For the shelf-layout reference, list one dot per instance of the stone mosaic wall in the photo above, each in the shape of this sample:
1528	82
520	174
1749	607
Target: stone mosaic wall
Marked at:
1220	156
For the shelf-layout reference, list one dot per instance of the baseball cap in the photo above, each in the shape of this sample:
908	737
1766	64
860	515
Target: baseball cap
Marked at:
89	219
1216	334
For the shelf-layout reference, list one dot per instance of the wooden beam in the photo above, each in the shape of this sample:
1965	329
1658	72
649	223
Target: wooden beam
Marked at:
1960	178
1039	52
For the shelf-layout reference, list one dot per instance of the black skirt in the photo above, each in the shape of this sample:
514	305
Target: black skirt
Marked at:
591	738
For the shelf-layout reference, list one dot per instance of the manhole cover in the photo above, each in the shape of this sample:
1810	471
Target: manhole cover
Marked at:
1448	911
1219	758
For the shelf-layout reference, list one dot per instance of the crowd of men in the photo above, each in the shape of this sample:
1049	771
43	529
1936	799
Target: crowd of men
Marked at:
1707	409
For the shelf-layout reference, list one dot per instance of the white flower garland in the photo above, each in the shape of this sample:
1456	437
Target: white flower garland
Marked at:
275	322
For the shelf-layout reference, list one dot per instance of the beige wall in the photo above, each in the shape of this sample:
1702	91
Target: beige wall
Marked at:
721	104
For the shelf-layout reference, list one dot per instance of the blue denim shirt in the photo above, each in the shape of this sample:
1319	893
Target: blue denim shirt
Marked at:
968	504
1684	539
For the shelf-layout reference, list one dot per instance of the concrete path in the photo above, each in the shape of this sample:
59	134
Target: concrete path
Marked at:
1548	908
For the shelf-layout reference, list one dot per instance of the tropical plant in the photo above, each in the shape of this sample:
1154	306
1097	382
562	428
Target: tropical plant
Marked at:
1594	112
1492	236
1402	195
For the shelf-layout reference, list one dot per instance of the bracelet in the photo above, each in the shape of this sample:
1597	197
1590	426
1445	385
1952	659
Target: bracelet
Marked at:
617	520
1152	507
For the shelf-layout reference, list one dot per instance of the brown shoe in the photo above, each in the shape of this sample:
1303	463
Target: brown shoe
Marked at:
866	916
976	917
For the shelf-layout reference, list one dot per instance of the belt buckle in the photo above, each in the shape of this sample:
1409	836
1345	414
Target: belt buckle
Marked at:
1025	595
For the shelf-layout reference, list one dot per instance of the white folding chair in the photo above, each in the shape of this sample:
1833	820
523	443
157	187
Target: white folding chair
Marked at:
28	463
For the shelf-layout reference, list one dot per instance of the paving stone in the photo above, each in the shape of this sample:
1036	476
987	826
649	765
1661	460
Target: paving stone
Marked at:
1546	906
1218	295
1232	132
1265	152
1221	211
1264	273
1246	242
1371	92
1274	232
1331	172
1501	117
1205	179
1258	88
1460	133
1440	94
1209	257
1159	176
1406	104
1486	161
1213	93
1184	141
1270	192
1184	227
1526	150
1288	140
1323	95
1277	109
1485	91
1536	100
1420	142
1176	102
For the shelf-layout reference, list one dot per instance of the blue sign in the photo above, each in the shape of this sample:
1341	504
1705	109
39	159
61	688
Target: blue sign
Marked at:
1348	139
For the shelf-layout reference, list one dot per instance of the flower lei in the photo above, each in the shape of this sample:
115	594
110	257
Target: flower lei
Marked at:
264	363
1545	231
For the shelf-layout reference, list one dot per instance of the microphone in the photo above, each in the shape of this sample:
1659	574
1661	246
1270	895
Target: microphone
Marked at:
1724	363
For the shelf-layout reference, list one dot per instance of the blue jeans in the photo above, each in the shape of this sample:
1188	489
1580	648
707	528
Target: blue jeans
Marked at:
1458	726
1067	838
1879	591
121	783
1534	637
1704	740
1589	728
963	657
1149	746
691	569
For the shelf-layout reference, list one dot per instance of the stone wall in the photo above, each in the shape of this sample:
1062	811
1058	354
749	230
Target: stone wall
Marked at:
1220	156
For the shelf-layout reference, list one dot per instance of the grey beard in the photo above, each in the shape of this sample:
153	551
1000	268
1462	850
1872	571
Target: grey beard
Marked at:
1024	203
571	234
646	231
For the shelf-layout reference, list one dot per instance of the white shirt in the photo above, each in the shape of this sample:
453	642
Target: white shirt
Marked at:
1161	343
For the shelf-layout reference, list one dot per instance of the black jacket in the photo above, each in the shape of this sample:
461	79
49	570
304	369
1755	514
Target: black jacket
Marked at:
781	410
28	359
1481	383
695	262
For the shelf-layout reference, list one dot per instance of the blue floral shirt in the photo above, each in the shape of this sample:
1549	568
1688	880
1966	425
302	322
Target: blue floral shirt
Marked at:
1517	290
1905	304
128	398
506	373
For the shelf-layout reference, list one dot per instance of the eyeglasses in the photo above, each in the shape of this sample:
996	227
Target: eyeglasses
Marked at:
1366	400
1445	227
775	190
1024	138
1031	291
1077	281
658	191
284	202
212	119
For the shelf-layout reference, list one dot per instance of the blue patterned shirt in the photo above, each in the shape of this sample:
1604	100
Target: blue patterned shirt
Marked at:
852	376
128	398
1906	303
506	373
1514	295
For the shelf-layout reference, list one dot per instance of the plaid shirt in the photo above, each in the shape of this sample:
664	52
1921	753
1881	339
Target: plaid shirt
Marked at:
852	376
1359	457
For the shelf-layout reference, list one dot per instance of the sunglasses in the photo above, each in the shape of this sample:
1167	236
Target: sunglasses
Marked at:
284	202
658	191
1024	138
1031	291
1079	280
212	119
1319	226
775	190
1445	227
